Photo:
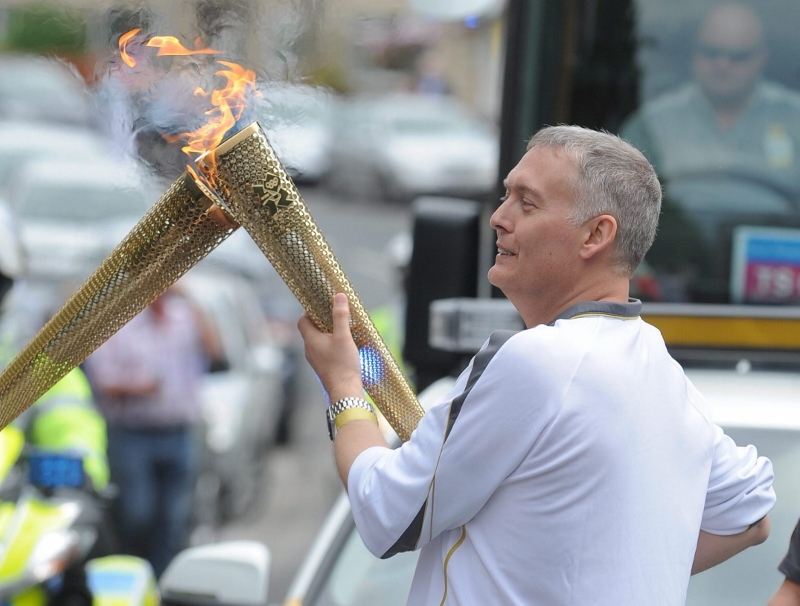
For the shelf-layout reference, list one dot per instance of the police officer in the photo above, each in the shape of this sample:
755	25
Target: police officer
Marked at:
63	420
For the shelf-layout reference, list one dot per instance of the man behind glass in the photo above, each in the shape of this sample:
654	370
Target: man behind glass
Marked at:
727	121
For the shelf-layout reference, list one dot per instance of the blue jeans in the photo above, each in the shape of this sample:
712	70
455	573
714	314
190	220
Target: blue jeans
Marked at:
154	470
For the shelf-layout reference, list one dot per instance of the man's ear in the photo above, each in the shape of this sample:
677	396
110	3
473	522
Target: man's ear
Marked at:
601	231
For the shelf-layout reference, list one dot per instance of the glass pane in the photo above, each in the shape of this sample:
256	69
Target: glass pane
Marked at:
709	92
80	203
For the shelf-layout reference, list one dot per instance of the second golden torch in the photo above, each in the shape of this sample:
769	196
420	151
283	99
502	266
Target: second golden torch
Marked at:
247	175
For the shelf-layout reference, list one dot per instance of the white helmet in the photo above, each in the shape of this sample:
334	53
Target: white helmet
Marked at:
12	259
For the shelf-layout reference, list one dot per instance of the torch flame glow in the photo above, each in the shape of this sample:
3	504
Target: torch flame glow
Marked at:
168	46
124	39
228	103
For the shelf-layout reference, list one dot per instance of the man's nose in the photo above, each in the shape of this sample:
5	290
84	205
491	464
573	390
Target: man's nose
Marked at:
498	220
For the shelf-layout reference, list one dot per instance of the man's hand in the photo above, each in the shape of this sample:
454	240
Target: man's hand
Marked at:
334	357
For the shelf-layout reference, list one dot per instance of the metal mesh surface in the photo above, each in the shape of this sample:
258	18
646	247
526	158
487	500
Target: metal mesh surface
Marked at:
181	228
250	180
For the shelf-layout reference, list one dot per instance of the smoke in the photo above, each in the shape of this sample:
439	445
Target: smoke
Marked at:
144	107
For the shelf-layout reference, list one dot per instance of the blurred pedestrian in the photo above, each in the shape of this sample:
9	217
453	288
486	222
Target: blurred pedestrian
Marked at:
147	378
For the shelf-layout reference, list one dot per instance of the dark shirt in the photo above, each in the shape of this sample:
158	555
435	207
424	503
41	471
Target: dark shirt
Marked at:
790	566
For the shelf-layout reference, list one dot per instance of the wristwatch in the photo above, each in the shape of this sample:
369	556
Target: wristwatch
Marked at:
338	407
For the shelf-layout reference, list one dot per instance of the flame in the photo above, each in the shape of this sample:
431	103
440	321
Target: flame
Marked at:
170	47
228	103
124	39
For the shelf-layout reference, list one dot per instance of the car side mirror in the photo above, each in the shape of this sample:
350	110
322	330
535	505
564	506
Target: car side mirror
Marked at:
232	572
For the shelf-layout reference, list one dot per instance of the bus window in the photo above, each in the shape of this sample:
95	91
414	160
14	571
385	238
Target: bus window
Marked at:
709	92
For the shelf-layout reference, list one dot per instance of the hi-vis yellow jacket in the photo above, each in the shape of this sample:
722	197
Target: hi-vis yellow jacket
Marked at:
64	419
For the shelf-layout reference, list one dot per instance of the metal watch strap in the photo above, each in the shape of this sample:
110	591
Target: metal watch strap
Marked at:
340	406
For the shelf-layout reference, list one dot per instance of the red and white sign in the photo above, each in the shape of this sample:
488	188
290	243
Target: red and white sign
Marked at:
765	265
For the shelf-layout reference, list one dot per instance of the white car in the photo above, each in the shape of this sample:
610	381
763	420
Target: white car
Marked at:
242	397
401	146
37	88
22	141
72	214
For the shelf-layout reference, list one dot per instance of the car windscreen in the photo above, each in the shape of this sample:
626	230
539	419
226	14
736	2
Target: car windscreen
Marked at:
432	126
358	578
434	120
78	202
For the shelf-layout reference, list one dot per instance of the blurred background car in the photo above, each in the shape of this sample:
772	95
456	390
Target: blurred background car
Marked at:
297	119
404	145
34	87
22	141
73	213
242	399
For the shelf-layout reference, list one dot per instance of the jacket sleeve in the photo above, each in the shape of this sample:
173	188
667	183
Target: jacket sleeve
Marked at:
740	488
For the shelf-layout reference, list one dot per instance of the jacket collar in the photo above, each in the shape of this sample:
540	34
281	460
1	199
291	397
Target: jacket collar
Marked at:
613	309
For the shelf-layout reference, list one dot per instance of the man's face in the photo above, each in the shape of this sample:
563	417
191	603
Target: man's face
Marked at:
729	56
538	246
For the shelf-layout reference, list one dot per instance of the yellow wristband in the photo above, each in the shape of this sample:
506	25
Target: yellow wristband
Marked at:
354	414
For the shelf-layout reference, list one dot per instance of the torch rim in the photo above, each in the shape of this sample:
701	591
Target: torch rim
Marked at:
230	142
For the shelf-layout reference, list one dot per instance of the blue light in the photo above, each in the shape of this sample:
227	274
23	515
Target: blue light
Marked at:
372	368
49	470
472	22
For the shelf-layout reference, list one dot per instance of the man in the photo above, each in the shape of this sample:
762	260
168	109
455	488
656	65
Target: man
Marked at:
727	120
573	462
147	379
788	594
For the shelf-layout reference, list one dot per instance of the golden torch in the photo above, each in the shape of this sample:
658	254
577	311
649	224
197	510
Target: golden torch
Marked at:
242	182
181	228
247	175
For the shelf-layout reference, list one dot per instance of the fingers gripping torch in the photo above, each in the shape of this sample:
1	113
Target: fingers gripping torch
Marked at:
243	184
